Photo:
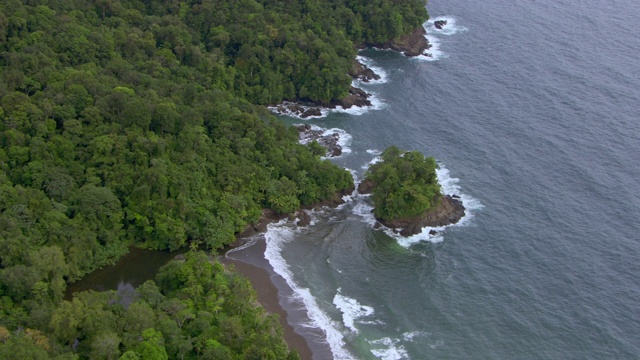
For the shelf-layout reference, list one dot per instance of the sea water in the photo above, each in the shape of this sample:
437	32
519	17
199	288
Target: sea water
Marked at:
532	111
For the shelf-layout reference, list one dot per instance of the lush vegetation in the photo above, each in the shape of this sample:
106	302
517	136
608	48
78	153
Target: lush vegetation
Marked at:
404	184
128	122
197	310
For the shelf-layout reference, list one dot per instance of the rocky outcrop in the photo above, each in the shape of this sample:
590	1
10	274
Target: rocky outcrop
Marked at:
298	109
449	210
412	44
366	186
356	97
361	72
439	24
328	141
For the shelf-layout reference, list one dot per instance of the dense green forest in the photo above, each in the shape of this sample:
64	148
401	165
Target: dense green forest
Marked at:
196	310
404	184
136	123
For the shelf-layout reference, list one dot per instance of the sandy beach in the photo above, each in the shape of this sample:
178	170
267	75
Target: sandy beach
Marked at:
276	297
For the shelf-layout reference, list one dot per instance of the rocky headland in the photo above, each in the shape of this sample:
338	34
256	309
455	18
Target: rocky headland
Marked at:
412	44
361	72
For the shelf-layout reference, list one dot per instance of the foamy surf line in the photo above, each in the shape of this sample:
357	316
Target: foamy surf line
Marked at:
351	310
433	53
449	186
276	237
450	28
283	109
344	138
376	69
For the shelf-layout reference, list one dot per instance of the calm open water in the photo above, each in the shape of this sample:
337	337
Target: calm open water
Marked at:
533	110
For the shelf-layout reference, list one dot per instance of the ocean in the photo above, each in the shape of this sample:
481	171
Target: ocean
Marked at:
532	110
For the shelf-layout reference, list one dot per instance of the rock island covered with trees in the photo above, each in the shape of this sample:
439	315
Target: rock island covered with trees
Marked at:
406	193
135	123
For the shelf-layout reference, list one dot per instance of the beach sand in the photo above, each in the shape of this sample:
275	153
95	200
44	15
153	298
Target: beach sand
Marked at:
276	297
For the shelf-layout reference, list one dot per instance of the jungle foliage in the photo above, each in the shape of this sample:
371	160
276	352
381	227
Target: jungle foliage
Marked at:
128	122
196	310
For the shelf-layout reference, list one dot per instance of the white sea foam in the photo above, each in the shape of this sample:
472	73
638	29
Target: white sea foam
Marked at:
451	28
376	159
344	138
351	310
376	104
276	237
363	209
410	336
449	185
388	349
376	69
433	53
282	109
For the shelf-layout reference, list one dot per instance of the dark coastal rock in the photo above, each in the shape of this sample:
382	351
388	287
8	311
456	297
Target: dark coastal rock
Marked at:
439	24
356	97
329	141
268	216
433	232
300	109
449	210
311	112
366	186
412	44
361	72
303	218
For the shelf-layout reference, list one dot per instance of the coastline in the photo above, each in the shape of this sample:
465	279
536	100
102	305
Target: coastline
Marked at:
276	297
274	294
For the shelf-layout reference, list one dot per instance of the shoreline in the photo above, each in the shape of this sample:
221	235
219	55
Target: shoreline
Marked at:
276	297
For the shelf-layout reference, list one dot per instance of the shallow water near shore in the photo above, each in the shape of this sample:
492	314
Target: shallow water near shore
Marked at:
531	110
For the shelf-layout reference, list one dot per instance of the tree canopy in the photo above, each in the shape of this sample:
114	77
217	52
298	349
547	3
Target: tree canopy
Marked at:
197	310
127	122
405	184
